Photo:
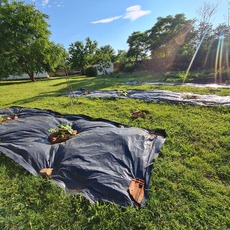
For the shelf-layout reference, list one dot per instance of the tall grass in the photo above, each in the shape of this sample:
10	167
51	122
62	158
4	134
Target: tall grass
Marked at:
190	181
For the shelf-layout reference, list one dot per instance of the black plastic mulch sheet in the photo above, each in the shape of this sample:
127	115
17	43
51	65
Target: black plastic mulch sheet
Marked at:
157	95
99	162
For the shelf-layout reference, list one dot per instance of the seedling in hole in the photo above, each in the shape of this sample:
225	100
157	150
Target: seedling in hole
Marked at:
62	129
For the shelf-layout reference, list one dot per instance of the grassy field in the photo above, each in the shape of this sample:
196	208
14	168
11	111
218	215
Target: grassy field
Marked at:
190	181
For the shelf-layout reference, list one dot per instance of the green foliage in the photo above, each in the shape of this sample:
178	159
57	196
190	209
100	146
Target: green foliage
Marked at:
91	72
170	36
129	68
108	51
56	57
103	58
171	39
121	56
138	46
82	55
2	119
190	184
24	38
61	129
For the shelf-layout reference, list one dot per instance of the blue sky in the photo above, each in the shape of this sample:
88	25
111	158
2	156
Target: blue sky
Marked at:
110	22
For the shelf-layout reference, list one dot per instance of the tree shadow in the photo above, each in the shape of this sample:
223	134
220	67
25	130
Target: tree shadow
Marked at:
93	83
35	98
14	82
68	85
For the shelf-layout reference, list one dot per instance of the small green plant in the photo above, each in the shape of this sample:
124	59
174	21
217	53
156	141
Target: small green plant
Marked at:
62	129
2	118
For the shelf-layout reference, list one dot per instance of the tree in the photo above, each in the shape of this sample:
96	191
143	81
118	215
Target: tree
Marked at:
205	35
121	56
204	20
120	60
228	14
82	55
168	35
219	52
138	46
24	39
104	57
3	2
56	57
108	49
77	58
205	15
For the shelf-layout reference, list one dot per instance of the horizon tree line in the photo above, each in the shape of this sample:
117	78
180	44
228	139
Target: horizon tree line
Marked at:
172	40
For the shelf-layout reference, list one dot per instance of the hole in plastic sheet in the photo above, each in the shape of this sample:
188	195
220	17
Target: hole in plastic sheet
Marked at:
136	189
8	118
57	138
46	172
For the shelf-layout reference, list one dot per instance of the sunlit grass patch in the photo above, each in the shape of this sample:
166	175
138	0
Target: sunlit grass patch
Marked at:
190	180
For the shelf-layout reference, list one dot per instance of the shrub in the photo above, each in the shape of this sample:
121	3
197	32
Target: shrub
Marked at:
130	68
91	72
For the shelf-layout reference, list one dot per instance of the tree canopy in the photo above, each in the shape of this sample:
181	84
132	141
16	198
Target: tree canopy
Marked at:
168	32
81	55
104	57
85	55
26	48
138	46
24	39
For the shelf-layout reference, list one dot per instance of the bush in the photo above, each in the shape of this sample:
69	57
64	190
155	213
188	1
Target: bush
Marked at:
130	67
91	72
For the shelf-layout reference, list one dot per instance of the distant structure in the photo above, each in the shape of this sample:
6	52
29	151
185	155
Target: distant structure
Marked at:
107	70
26	76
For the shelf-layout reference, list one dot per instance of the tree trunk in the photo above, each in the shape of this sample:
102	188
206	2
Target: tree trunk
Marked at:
82	69
31	75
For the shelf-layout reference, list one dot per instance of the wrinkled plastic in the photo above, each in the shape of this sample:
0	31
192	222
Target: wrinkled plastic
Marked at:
100	161
210	86
158	95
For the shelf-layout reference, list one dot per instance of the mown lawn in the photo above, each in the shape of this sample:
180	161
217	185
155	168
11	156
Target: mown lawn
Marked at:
190	181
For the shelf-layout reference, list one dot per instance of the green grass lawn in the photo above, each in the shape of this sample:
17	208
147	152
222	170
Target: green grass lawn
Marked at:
190	181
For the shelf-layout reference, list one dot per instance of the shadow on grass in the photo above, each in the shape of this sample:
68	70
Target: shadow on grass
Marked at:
68	84
94	83
36	98
14	82
23	81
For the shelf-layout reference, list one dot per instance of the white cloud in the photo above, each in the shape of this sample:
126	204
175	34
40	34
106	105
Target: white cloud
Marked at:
45	2
135	12
132	13
106	20
49	3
